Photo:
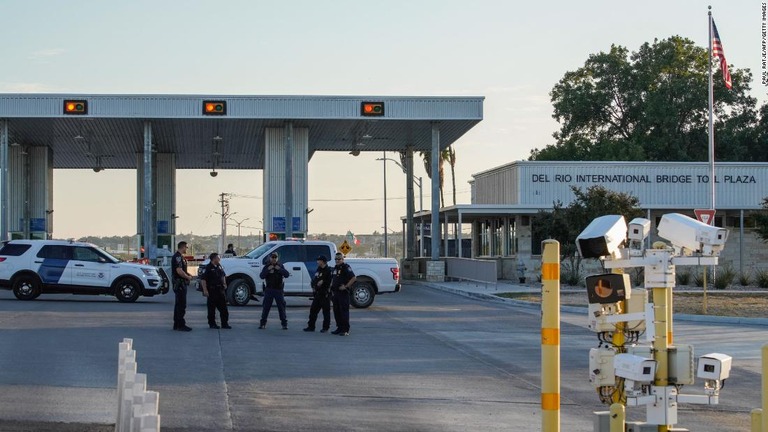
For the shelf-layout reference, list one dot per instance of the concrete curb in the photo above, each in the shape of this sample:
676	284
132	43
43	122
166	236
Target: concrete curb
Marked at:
581	310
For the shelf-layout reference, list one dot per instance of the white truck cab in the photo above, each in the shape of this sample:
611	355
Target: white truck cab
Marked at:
374	275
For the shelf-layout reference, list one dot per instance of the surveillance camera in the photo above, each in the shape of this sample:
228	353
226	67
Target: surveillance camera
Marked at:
714	366
639	228
602	237
634	368
686	232
214	173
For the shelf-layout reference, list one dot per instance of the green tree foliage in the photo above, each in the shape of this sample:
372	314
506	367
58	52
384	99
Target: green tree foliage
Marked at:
652	105
564	223
761	222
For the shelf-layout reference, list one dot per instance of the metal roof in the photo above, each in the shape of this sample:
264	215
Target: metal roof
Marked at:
114	126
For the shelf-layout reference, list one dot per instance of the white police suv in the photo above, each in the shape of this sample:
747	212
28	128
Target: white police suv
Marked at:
34	267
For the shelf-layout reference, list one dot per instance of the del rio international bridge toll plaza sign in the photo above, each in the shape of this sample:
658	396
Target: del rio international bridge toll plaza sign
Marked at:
656	184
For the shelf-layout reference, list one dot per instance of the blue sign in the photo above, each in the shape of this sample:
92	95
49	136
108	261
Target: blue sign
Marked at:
162	227
278	224
37	224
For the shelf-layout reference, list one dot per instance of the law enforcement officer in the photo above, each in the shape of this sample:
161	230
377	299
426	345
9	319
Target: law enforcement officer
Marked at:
180	283
214	282
343	279
273	274
230	250
321	295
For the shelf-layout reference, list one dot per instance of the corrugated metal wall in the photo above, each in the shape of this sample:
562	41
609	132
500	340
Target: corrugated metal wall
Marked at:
30	174
17	180
675	185
165	189
274	176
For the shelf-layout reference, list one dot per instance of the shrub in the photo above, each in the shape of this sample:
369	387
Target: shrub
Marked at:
745	279
761	278
684	277
724	277
697	274
570	274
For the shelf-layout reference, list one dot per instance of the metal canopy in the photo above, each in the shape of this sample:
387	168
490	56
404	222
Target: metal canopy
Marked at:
113	129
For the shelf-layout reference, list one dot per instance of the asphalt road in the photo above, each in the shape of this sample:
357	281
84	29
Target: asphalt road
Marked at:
420	360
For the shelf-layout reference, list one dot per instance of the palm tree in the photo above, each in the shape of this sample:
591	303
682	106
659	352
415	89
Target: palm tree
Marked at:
449	154
427	158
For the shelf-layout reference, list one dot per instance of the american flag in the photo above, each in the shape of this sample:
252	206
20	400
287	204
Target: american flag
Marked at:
717	51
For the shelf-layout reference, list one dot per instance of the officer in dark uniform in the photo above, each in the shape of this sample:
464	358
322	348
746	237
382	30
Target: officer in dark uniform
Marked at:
180	283
230	250
273	274
321	292
343	279
214	284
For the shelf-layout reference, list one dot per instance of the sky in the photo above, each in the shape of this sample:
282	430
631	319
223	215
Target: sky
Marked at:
511	53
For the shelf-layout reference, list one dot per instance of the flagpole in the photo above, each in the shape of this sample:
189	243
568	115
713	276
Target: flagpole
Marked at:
711	121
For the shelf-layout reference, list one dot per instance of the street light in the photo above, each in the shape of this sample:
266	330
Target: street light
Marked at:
417	181
238	223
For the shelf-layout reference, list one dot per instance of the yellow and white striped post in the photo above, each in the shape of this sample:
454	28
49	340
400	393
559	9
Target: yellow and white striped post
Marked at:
618	418
765	389
757	420
550	337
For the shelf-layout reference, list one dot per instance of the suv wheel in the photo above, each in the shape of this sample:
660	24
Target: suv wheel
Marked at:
26	287
362	295
127	290
238	292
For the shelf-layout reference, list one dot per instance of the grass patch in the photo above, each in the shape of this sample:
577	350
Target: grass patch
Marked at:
719	303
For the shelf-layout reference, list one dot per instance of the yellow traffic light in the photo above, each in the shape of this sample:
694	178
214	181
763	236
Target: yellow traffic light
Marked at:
75	107
214	108
372	109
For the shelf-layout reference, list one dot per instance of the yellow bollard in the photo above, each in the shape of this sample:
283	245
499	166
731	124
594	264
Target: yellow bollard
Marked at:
618	417
660	341
765	388
757	418
550	336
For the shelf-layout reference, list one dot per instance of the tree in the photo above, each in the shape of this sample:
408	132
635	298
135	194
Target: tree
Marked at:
449	155
650	105
427	159
761	222
564	223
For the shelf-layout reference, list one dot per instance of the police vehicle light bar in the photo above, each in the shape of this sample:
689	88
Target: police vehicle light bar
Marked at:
372	109
75	107
214	108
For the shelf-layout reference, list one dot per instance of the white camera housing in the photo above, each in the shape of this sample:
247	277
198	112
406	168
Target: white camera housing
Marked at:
714	366
602	237
686	232
639	228
634	368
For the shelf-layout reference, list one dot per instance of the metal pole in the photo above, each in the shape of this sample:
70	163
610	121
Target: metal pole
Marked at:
289	179
421	220
435	220
149	242
711	120
4	189
765	388
550	336
386	245
410	239
618	417
741	242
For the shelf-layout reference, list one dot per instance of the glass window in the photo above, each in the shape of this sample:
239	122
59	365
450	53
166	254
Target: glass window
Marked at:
55	252
290	253
86	254
314	251
14	249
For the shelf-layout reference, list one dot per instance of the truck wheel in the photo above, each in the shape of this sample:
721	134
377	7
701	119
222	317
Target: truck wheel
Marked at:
238	292
127	290
362	295
26	287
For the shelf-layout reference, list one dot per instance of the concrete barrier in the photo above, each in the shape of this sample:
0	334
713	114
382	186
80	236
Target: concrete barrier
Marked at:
137	408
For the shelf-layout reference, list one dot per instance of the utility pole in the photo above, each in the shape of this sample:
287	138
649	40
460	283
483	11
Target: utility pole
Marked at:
224	200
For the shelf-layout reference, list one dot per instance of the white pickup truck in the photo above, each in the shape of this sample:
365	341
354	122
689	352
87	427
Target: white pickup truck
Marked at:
374	275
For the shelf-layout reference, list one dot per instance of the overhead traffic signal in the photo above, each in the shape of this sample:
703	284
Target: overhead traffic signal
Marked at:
372	109
76	107
214	108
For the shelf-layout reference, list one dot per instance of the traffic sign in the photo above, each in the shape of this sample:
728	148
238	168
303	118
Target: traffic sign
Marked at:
345	247
705	215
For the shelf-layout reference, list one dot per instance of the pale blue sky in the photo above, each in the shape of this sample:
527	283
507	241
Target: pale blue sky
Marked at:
510	52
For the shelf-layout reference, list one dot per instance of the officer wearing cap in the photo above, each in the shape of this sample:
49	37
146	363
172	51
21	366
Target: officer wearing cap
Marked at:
273	274
321	295
343	279
214	282
180	282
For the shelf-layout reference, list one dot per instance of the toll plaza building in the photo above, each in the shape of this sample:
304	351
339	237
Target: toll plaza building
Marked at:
496	226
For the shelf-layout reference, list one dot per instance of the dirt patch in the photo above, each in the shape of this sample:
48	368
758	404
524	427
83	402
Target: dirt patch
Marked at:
719	303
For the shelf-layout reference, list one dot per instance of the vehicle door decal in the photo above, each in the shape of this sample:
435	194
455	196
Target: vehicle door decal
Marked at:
51	269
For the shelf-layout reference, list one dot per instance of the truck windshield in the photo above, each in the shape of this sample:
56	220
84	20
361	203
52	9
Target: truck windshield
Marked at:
259	251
